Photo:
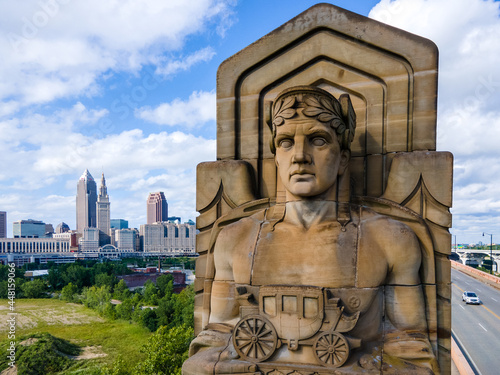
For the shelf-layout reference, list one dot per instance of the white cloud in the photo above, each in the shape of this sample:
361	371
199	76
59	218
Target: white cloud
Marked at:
44	148
199	109
43	152
467	35
167	68
54	49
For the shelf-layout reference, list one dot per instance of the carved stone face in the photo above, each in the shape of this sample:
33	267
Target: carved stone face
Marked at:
309	158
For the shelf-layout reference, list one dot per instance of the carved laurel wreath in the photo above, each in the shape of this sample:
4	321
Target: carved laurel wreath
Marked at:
315	106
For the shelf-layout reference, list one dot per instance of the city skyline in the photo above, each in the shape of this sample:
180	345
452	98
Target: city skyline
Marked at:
112	89
93	210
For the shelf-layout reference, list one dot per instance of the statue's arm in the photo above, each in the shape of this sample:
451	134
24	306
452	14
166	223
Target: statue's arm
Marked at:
223	306
405	305
404	299
212	352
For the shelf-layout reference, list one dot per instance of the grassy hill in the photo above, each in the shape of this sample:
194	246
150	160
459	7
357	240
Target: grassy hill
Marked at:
101	341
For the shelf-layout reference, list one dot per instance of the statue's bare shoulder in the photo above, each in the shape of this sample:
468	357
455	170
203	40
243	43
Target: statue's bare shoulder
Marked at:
393	242
234	242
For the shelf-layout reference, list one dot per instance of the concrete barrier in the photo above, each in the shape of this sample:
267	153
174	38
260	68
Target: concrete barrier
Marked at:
459	359
477	274
456	354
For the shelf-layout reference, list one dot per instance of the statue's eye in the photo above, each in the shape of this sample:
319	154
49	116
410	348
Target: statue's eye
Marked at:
318	141
285	143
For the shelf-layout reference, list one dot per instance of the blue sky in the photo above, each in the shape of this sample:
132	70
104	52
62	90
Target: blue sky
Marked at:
128	88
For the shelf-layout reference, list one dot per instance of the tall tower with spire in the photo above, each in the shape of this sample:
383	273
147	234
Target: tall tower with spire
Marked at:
103	210
86	199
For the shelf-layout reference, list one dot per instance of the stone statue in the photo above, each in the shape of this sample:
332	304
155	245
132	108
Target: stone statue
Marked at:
305	285
326	253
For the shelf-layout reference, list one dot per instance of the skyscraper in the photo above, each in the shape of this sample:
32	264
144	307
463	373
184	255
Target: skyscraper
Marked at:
3	224
86	202
157	208
103	208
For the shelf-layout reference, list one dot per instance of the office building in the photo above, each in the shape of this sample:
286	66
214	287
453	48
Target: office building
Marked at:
169	238
3	224
34	245
119	224
125	239
28	229
72	237
86	202
157	208
103	213
89	242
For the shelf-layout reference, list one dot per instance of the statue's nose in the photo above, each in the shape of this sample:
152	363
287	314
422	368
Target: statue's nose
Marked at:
300	154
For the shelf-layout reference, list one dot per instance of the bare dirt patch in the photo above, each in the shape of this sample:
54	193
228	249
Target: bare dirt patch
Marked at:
31	315
29	341
9	371
90	352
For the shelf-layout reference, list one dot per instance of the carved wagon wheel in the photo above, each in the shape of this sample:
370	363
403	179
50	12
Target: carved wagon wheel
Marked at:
255	338
331	349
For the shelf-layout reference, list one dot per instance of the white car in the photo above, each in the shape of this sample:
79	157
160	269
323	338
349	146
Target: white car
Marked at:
471	297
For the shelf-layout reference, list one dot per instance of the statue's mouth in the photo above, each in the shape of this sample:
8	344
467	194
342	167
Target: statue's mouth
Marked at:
301	172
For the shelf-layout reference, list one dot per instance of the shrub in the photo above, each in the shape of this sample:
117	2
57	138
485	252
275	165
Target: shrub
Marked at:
166	351
43	353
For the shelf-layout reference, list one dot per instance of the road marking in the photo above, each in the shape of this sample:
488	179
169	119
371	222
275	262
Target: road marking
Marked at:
462	307
466	282
482	327
493	299
498	317
457	339
479	290
459	288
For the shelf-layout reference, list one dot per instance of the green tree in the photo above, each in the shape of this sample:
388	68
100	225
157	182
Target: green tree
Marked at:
165	310
105	267
77	275
121	269
102	279
34	289
166	350
121	291
165	285
109	311
4	290
69	293
5	270
184	307
148	319
55	278
150	293
96	298
125	309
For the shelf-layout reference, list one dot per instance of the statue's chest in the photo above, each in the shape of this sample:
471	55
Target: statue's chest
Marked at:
322	256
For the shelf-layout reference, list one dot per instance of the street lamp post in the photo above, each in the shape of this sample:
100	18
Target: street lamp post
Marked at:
491	250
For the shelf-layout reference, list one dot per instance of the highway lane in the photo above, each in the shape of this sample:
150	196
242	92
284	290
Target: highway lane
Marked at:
477	326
